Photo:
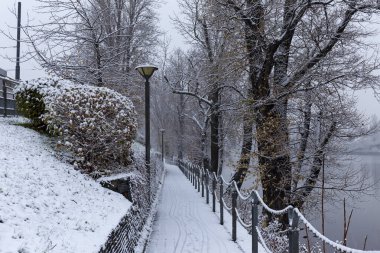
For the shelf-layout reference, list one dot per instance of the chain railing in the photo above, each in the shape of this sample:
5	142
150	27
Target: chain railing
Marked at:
206	183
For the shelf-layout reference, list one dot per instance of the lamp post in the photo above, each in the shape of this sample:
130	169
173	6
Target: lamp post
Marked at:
162	144
147	71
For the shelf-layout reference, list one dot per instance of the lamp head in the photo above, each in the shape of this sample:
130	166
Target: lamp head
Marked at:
146	70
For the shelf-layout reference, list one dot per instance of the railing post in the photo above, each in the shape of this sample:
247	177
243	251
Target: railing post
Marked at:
207	189
234	215
255	222
192	174
221	201
196	177
203	183
293	233
199	178
213	192
5	98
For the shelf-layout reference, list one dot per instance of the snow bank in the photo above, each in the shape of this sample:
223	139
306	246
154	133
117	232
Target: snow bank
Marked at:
46	205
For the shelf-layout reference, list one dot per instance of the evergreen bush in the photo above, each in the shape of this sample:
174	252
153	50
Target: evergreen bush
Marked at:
30	104
97	125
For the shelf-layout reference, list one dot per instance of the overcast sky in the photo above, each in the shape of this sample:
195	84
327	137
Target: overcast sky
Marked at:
29	70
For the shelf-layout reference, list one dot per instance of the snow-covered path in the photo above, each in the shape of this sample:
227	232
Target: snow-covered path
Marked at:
184	223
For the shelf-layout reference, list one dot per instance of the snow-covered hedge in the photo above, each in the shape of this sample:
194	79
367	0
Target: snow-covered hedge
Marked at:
30	102
96	124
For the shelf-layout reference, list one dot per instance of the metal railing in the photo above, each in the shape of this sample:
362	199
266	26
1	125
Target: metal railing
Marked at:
7	99
206	183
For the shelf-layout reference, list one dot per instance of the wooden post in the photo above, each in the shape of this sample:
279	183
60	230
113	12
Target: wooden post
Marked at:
221	201
234	215
255	222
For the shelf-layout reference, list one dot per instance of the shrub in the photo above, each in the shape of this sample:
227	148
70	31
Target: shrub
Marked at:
30	98
30	104
97	125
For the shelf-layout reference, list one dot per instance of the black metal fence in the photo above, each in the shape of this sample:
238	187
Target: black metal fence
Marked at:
127	235
7	98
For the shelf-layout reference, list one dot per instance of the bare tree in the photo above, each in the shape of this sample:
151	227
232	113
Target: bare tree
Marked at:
213	70
294	47
93	41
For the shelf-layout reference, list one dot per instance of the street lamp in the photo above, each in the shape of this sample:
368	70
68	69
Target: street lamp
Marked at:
162	144
147	71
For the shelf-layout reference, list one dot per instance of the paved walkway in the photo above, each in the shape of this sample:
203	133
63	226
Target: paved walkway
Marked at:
184	223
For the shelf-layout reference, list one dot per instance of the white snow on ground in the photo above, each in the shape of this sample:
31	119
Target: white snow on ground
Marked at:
185	223
45	205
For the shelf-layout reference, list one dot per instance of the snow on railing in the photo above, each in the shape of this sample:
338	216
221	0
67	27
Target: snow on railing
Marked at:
207	181
262	240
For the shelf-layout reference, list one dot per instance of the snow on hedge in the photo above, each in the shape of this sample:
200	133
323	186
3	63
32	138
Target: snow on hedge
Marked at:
45	204
96	124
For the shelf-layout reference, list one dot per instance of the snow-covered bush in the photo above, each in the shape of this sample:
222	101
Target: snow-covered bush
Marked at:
96	124
276	239
30	98
30	104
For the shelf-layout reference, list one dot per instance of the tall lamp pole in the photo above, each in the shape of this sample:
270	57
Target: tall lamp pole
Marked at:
147	71
17	74
162	144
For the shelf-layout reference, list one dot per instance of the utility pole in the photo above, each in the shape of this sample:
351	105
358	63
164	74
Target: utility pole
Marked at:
17	75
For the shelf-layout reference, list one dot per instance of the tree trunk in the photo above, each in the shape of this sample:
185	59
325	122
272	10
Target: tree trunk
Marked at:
181	119
273	154
245	153
99	73
214	125
205	160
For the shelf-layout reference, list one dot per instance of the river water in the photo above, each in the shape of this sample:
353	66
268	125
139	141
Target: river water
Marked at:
366	211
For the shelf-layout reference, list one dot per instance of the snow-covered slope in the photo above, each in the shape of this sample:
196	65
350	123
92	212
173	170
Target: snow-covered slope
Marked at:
46	205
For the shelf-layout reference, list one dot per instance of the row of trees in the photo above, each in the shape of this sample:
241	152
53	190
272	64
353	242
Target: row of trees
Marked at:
265	86
276	78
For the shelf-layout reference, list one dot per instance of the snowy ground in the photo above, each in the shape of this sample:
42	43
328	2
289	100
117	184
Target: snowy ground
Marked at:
45	205
185	223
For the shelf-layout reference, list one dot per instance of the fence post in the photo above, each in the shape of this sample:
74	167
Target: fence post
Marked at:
213	192
191	175
207	189
293	233
5	98
221	201
199	178
234	215
184	169
203	182
196	177
255	222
